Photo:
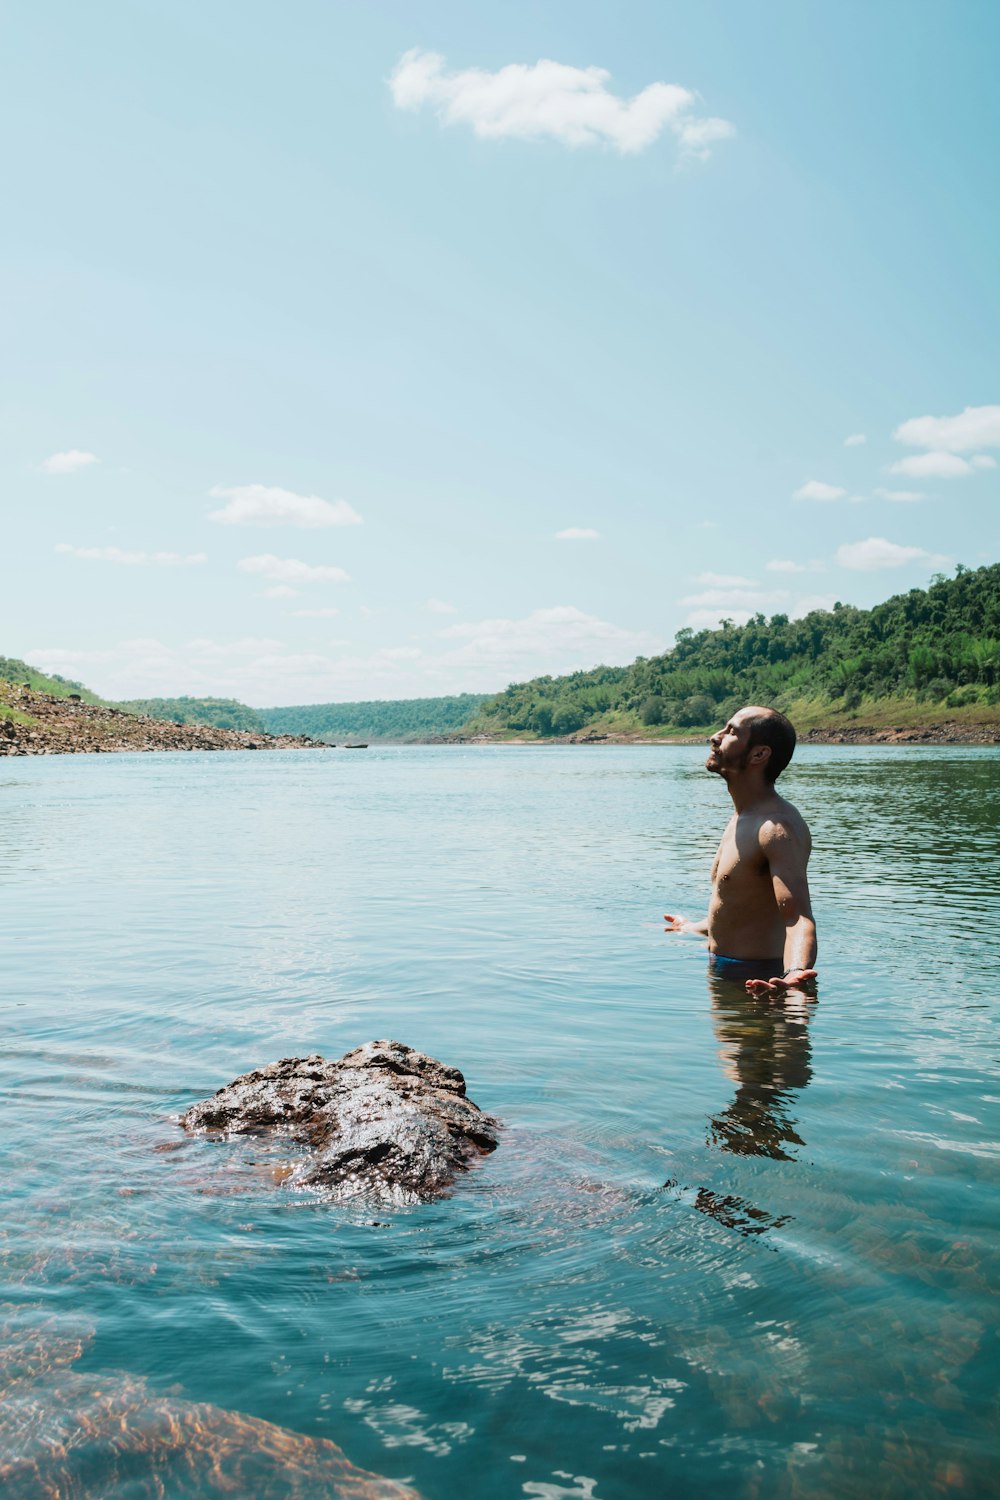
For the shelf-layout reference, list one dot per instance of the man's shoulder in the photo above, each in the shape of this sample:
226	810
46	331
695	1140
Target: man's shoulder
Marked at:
781	823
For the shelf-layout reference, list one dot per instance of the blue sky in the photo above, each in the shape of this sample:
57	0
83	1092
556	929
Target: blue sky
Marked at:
359	350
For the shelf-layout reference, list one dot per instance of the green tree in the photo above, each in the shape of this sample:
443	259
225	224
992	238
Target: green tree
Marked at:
698	709
541	718
567	718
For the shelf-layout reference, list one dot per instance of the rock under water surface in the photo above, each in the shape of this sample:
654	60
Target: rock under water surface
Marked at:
111	1435
383	1120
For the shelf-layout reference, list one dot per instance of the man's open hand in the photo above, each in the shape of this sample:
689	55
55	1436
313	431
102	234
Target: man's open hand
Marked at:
680	924
794	980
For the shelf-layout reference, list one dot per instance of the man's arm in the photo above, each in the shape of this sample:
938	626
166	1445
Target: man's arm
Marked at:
787	854
682	924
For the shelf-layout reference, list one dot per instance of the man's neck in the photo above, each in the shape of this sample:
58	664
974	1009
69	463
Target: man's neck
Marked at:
747	791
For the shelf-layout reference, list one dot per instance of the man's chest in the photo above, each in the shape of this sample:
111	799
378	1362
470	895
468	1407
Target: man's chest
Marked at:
739	862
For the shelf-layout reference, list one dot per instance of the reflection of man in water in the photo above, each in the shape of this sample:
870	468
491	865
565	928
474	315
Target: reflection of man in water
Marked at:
759	925
764	1051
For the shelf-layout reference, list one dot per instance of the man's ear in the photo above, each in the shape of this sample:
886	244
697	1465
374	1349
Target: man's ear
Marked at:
760	755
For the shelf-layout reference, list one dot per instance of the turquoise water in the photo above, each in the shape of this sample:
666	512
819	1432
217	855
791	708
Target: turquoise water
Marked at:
803	1310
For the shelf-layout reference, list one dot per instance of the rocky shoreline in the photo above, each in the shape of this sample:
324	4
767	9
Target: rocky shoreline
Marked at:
37	723
42	724
951	732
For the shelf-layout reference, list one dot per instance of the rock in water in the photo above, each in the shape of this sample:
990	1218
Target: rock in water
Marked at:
110	1437
113	1436
384	1120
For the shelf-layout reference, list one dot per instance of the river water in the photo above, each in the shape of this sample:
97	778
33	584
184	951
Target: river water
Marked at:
726	1248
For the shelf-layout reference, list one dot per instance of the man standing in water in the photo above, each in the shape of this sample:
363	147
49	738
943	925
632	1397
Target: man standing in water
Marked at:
759	925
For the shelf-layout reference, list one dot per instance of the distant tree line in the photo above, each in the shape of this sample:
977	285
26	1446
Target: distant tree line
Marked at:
224	713
938	645
401	719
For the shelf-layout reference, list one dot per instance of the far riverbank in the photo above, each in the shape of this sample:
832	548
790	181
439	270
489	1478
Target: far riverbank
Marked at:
39	723
36	723
951	732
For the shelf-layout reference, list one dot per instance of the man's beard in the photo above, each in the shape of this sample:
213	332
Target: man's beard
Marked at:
720	767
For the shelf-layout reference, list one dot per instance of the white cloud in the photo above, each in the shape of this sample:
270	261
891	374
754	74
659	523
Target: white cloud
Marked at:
440	607
932	466
144	667
711	619
290	570
975	427
68	462
555	640
855	440
815	489
577	534
901	496
782	565
876	552
480	657
266	505
946	438
133	559
726	581
806	603
714	604
279	591
553	100
855	499
696	136
315	614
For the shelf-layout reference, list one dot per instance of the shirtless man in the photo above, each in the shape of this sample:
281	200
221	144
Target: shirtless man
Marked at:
759	925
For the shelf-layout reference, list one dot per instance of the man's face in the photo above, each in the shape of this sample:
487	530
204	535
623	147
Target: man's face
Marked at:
729	749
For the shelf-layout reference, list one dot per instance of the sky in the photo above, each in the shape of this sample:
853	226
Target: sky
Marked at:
359	350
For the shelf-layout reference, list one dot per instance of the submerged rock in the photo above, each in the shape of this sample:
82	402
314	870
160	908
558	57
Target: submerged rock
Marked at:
384	1120
111	1435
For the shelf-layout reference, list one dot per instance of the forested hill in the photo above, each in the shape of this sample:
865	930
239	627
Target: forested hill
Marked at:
919	658
224	713
913	657
12	669
404	719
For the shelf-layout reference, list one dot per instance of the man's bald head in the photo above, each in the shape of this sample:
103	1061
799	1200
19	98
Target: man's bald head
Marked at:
767	726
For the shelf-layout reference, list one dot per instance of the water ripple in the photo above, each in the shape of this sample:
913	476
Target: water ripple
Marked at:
725	1248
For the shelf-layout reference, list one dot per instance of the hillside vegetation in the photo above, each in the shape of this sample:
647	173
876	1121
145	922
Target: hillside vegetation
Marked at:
924	658
223	713
918	657
12	669
404	719
43	723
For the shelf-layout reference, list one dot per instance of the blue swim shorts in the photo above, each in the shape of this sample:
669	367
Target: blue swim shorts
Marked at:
739	970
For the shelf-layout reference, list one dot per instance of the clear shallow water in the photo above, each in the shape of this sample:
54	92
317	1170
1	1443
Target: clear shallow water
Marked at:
804	1311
